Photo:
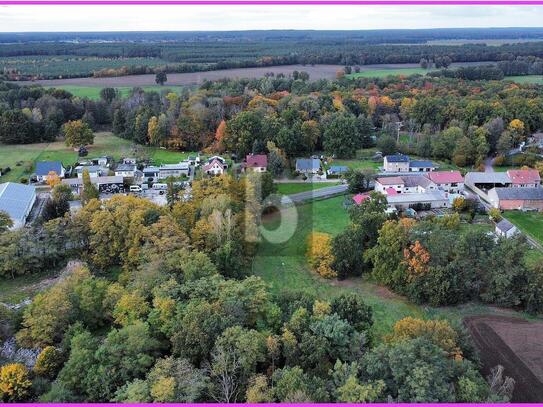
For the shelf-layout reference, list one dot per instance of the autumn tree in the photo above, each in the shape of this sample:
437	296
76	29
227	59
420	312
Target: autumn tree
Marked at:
15	383
5	221
89	189
319	254
416	257
77	133
49	362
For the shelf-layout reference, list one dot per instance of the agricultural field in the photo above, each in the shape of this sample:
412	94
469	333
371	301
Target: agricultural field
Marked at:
383	73
530	223
21	158
289	188
285	268
535	79
356	164
93	92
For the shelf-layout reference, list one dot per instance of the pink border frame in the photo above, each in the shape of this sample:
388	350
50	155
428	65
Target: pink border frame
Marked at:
275	2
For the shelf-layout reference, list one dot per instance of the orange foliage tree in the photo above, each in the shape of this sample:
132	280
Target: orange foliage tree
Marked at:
319	254
416	257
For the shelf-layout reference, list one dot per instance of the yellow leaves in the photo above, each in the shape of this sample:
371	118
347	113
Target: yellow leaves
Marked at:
14	382
321	308
338	103
416	258
152	131
319	254
221	130
517	126
130	307
260	100
53	179
163	390
440	333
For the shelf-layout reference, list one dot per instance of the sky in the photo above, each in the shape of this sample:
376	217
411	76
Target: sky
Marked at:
201	18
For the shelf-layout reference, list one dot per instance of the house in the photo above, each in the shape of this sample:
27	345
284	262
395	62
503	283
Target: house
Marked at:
94	170
215	166
151	174
384	183
129	160
337	170
256	162
43	168
432	199
126	170
103	161
506	229
174	170
359	198
449	181
405	185
421	166
524	178
308	165
110	184
194	159
396	163
17	201
516	198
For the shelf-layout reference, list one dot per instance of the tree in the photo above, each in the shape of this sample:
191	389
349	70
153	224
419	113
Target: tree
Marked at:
351	308
49	362
387	145
341	135
5	222
89	189
357	180
319	254
15	383
161	78
77	133
53	179
108	94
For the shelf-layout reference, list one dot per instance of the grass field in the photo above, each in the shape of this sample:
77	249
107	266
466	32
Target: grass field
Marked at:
93	92
289	188
530	223
357	164
105	143
285	268
383	73
537	79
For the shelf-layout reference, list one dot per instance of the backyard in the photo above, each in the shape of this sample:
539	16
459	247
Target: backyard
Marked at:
530	223
289	188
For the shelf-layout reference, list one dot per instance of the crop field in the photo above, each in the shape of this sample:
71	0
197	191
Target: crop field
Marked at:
383	73
21	158
93	92
66	66
490	42
537	79
515	344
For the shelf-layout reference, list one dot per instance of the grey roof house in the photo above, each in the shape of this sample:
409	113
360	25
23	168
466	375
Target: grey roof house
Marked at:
17	201
308	165
43	168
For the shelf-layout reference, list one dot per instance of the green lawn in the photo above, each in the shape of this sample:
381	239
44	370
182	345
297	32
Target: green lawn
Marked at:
105	143
383	73
357	164
289	188
537	79
93	92
13	291
284	267
530	223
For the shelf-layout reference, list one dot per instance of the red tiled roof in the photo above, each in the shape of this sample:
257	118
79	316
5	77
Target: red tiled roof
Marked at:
445	177
359	198
390	181
257	160
524	176
391	191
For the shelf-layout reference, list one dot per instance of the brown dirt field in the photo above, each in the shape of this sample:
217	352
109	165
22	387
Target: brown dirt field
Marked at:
515	344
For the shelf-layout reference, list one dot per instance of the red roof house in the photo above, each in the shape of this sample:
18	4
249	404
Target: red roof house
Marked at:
446	177
524	178
256	162
359	198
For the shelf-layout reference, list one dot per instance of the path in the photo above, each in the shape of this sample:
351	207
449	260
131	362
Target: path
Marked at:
489	164
318	193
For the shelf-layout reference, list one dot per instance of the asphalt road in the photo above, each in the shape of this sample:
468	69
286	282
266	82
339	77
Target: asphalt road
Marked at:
318	193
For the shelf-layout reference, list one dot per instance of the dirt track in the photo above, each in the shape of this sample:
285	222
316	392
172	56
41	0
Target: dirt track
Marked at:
515	344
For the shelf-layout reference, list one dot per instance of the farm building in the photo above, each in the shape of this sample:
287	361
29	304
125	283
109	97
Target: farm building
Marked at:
434	199
359	198
256	163
174	170
308	165
94	171
516	198
402	163
485	181
151	174
17	201
421	166
125	170
44	168
524	178
448	181
504	228
104	184
405	185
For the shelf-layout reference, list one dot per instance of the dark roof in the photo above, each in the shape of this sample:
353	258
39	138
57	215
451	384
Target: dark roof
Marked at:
45	167
16	198
504	225
421	163
338	169
304	164
126	167
257	160
397	158
520	193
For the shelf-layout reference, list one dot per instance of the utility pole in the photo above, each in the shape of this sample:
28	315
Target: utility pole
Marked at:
399	126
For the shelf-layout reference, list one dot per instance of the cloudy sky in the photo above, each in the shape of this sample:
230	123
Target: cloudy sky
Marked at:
186	18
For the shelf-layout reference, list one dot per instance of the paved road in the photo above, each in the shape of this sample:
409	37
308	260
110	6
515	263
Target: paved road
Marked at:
489	162
318	193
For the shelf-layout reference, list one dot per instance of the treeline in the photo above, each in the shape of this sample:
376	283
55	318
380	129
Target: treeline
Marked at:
182	322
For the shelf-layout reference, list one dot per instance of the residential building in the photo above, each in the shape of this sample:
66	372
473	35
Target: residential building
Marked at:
215	166
17	201
174	170
448	181
151	174
126	170
516	198
506	229
43	168
434	199
94	170
421	166
396	163
256	163
524	178
129	160
337	170
405	184
103	161
308	165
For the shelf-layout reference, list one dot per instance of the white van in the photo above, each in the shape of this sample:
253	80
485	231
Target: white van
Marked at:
135	188
160	187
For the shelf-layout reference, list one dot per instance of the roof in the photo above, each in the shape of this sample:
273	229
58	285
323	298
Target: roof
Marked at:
417	181
359	198
417	197
303	164
391	192
95	180
445	177
519	193
126	167
16	198
338	169
257	160
397	158
183	165
487	178
421	164
210	164
504	225
216	157
90	168
524	176
390	181
151	169
45	167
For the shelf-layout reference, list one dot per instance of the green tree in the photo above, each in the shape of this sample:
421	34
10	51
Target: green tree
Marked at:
5	221
161	78
89	189
77	133
341	135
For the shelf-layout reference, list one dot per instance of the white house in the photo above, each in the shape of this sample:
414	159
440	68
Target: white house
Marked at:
17	201
94	171
43	168
396	163
174	170
151	174
215	166
448	181
125	170
506	229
